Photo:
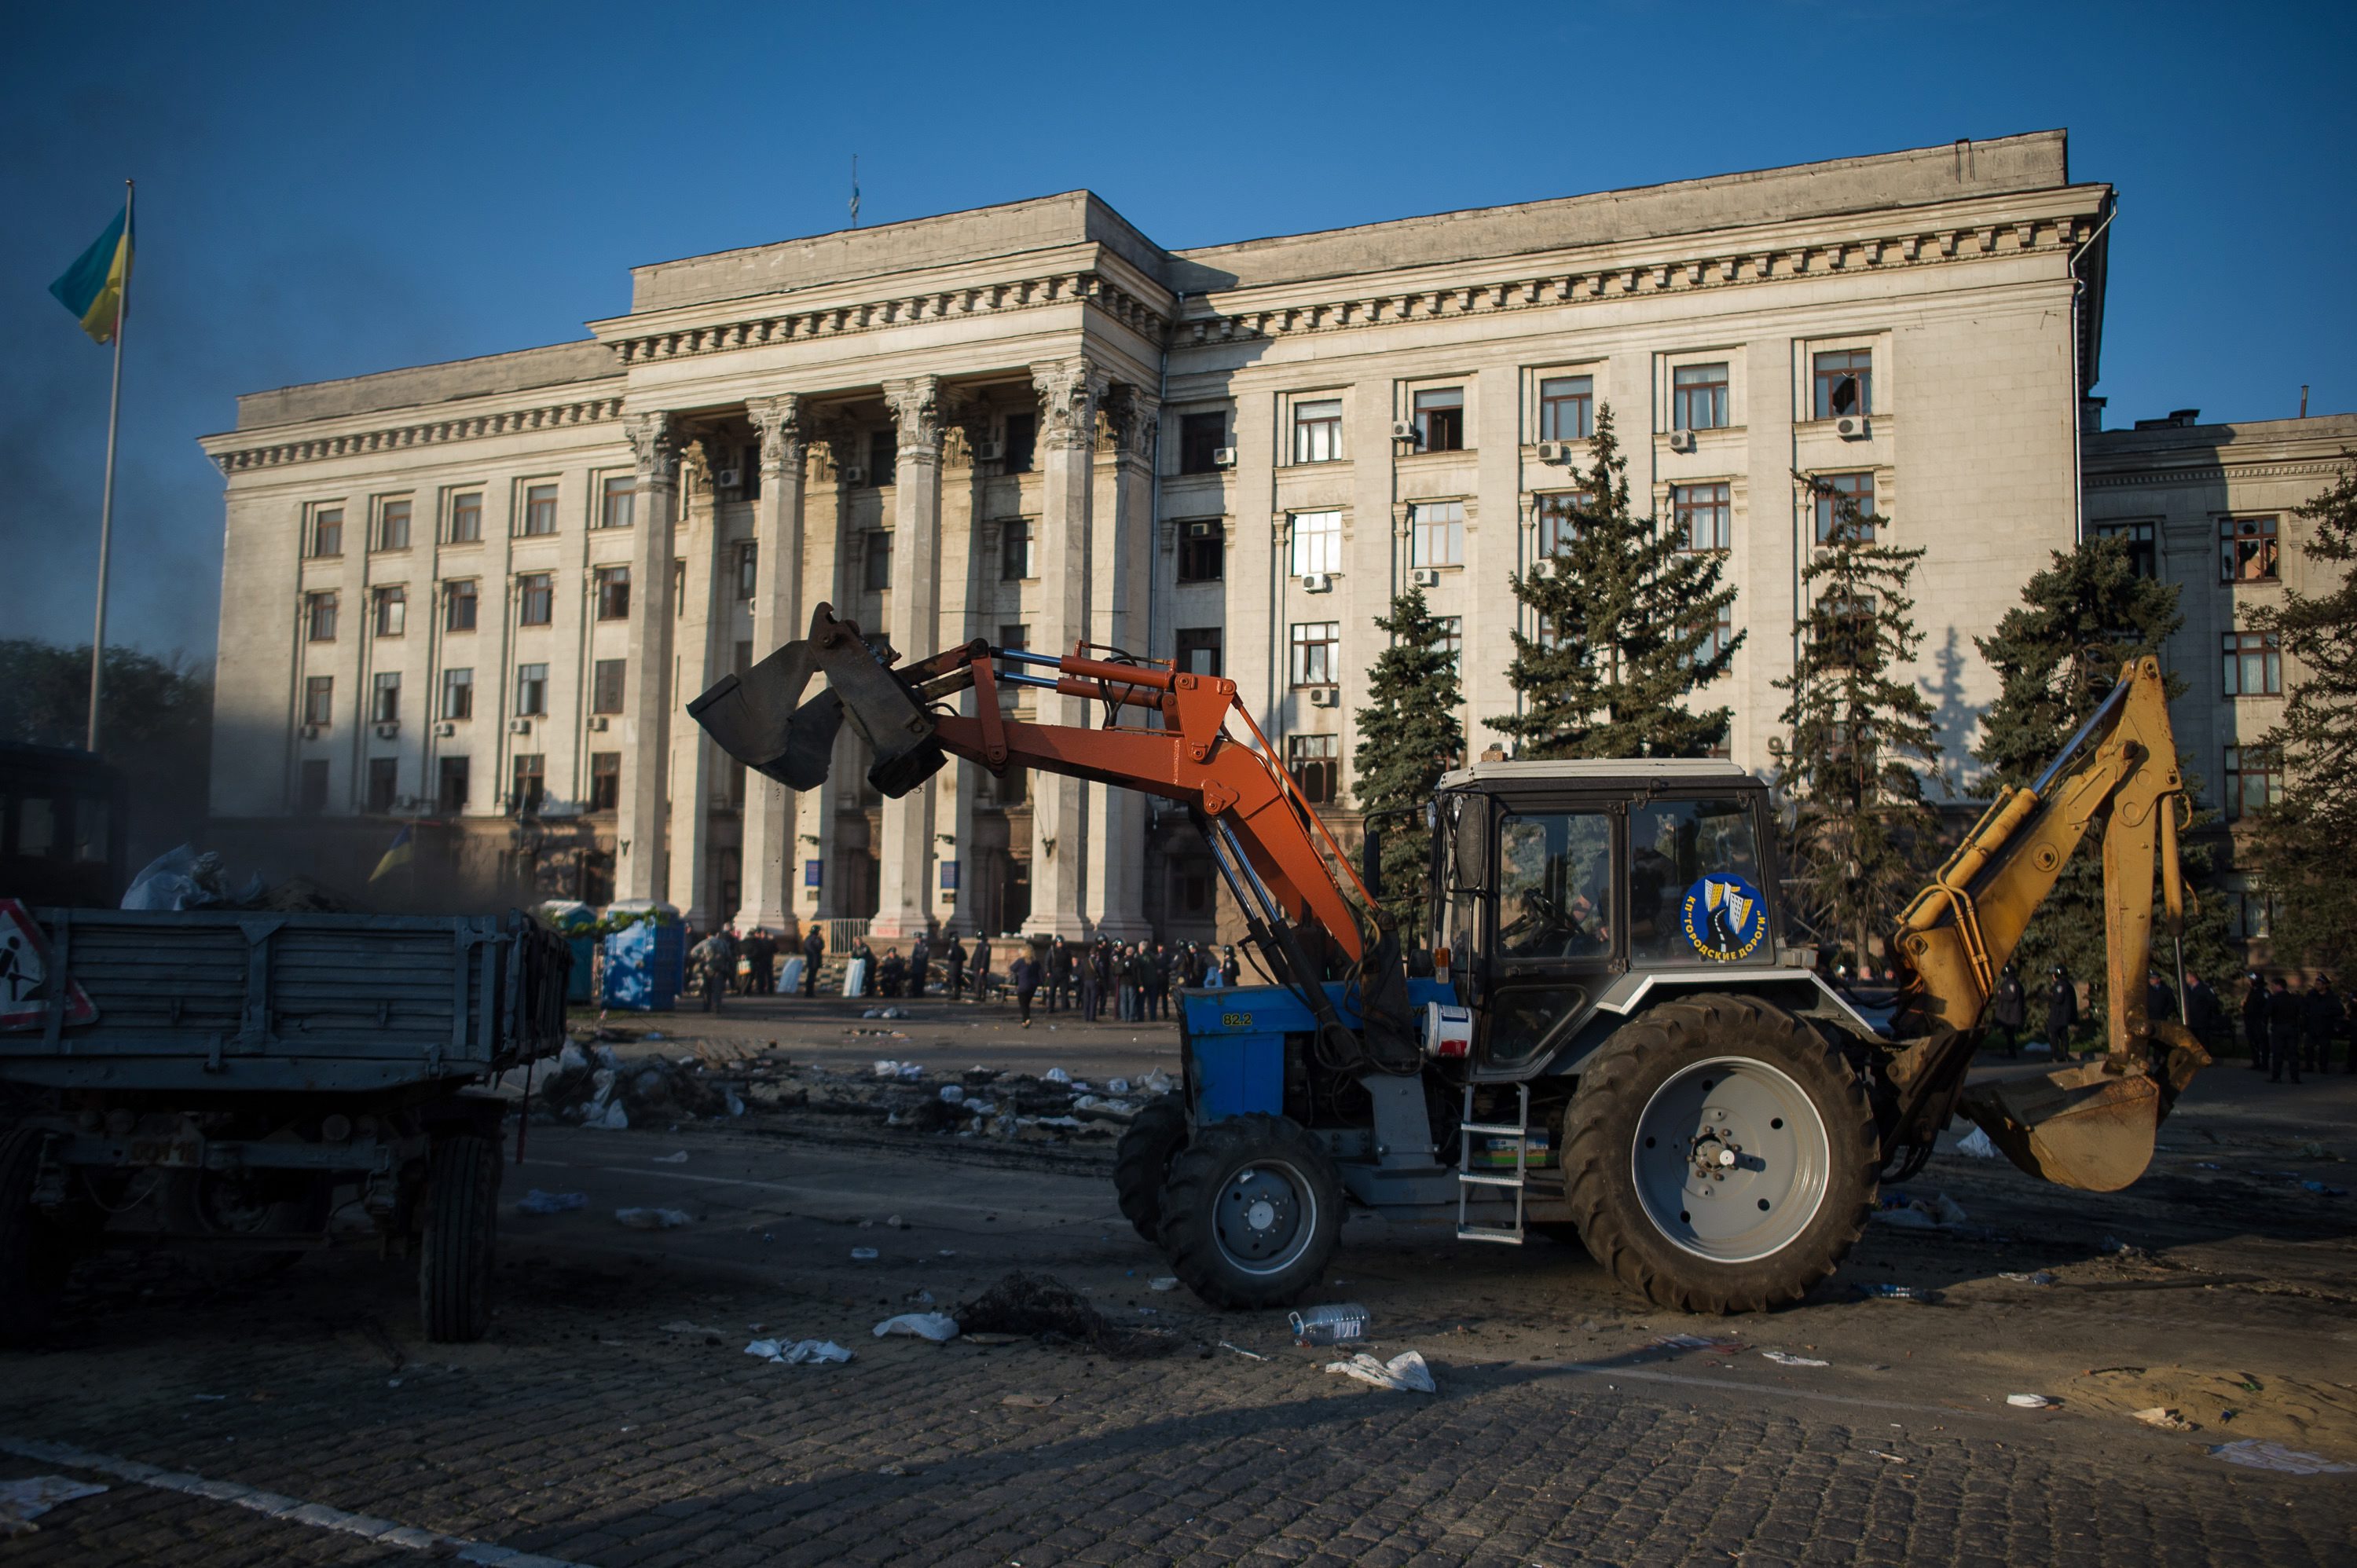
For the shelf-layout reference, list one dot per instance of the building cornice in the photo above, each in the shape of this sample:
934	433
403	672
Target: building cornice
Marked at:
237	452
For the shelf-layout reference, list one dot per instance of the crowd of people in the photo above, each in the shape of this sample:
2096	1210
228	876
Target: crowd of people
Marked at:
2284	1028
1130	981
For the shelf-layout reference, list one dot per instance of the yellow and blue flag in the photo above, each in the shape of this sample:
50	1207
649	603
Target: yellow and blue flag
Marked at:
395	857
93	287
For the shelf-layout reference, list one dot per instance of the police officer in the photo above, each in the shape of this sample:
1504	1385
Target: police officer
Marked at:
2320	1017
2009	1011
2061	1011
2283	1031
2254	1020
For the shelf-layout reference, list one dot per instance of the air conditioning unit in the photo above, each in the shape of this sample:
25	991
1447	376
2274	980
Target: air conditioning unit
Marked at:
853	474
598	721
728	479
310	732
445	728
1426	576
1318	582
1325	697
1405	430
1223	456
1544	567
519	727
387	730
1555	451
1851	428
990	451
1681	440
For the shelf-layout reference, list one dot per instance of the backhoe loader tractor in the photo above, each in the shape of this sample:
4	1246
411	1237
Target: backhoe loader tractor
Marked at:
1610	1041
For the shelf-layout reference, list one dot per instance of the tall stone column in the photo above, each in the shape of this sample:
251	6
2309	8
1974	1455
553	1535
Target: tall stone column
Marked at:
638	822
1070	391
771	860
1122	563
694	759
903	906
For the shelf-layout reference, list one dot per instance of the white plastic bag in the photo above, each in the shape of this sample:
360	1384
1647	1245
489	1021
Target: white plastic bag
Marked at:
937	1326
1404	1373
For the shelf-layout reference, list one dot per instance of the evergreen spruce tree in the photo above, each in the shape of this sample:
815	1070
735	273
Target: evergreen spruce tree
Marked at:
1408	737
1627	622
2057	657
2302	844
1862	836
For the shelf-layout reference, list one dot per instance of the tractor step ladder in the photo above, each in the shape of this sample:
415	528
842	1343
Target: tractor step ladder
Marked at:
1467	1178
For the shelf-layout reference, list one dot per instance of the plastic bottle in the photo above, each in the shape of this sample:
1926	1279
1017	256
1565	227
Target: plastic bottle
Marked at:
1329	1325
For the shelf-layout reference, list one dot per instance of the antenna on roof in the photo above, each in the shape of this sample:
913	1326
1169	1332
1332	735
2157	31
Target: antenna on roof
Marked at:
855	191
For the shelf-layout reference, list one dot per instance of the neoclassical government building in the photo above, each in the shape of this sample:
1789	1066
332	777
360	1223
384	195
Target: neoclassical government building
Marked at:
473	597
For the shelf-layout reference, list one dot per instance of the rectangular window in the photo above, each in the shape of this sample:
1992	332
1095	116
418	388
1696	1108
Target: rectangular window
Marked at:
1316	542
392	526
1201	435
1451	640
321	617
392	611
328	530
531	691
1705	517
530	784
1567	408
1845	502
876	563
1318	431
467	518
613	593
883	456
311	788
384	697
1022	441
605	780
1559	521
450	793
1314	760
1844	382
1202	551
459	605
2246	549
1198	649
1440	420
617	502
2253	664
536	598
319	700
1698	397
2250	915
1316	647
1719	636
383	784
540	509
2252	783
1435	532
2136	538
605	685
749	568
1014	552
457	694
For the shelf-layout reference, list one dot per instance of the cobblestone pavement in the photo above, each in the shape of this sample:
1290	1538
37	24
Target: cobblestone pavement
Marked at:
587	1430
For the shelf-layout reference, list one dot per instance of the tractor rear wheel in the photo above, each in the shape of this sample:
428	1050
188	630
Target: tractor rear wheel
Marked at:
454	1274
1253	1212
1141	1162
1720	1156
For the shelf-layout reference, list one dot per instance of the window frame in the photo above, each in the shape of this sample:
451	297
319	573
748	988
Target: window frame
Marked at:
534	766
1824	384
321	609
1190	641
1020	454
1309	654
458	692
1303	550
1826	494
464	504
605	793
2142	538
1201	535
1686	508
322	518
389	610
876	561
531	691
2267	531
1720	393
319	700
1550	421
1556	532
391	511
602	672
1017	538
1312	759
617	502
748	569
1319	439
2237	651
459	768
1459	419
2237	783
536	588
1422	532
540	505
610	584
384	697
1195	450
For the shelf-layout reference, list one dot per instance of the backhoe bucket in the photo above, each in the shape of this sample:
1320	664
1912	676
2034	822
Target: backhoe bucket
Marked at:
759	717
2090	1127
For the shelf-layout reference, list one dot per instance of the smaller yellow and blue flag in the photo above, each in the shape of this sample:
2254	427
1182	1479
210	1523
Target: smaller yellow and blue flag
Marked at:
93	287
395	857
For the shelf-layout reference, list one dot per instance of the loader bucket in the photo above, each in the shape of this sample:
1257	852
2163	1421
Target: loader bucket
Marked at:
2086	1127
759	717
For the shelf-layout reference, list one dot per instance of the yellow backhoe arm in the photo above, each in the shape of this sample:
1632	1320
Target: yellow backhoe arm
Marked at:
2090	1127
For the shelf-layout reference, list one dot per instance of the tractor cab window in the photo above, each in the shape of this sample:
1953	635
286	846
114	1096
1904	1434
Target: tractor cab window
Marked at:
1697	889
1555	886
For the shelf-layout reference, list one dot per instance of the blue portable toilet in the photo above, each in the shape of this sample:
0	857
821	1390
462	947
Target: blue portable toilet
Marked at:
578	923
646	960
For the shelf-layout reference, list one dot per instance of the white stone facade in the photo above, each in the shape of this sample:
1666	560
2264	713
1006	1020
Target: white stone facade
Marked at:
1248	394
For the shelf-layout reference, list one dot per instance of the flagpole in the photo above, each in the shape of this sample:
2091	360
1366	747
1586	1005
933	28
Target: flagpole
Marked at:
106	504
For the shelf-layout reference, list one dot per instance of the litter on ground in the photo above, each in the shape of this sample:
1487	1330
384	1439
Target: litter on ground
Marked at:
1693	1342
1975	1144
1786	1358
2030	1401
23	1501
863	1255
678	1158
2161	1416
939	1327
1404	1373
539	1202
2276	1456
801	1352
1036	1305
1163	1282
1029	1402
653	1218
2041	1278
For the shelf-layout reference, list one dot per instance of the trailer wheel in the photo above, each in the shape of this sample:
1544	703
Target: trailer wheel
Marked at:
1253	1212
453	1275
35	1254
1141	1162
1720	1156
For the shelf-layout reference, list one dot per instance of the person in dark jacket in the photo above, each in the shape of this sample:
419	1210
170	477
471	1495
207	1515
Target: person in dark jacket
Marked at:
1026	976
1094	977
1230	969
2159	1001
1059	975
2254	1020
892	975
760	963
982	969
813	950
2319	1017
2203	1013
2284	1012
921	966
2061	1011
1158	987
2009	1011
953	985
862	953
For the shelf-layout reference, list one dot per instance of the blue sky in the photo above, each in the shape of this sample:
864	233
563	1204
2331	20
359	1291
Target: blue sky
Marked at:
331	190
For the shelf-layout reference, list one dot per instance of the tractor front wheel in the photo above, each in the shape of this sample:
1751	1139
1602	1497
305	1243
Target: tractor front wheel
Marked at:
1253	1212
1141	1162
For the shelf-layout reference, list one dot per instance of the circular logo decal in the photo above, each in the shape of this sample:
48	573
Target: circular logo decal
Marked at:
1725	918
